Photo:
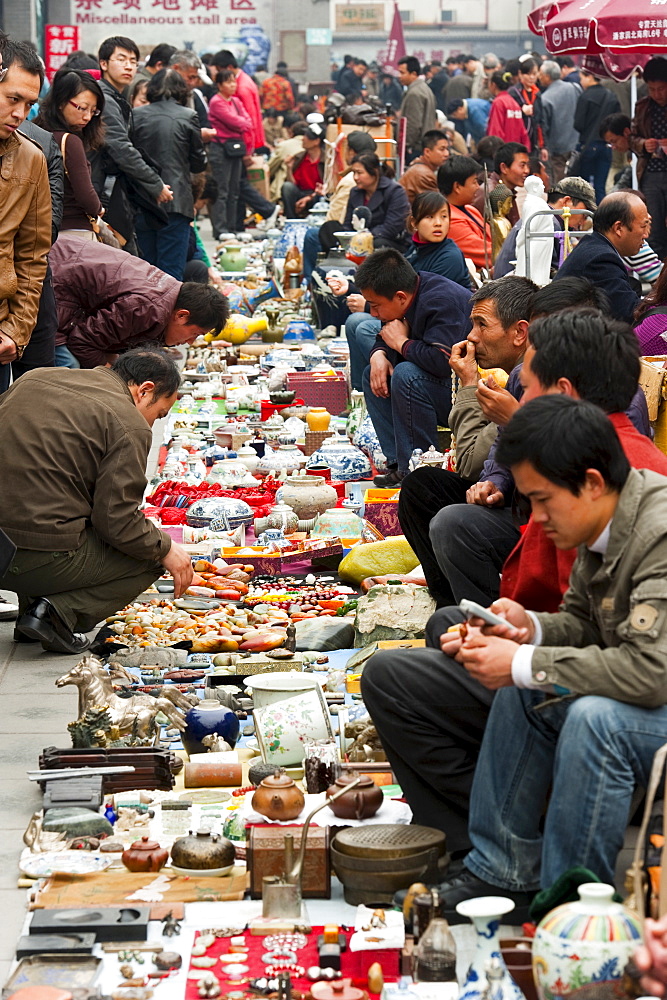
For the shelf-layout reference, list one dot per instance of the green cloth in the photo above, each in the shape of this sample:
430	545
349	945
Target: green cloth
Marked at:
564	890
200	246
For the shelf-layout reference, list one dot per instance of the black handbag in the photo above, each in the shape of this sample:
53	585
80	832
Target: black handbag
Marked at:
234	148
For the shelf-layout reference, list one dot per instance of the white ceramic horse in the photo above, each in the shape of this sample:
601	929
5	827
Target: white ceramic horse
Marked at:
129	714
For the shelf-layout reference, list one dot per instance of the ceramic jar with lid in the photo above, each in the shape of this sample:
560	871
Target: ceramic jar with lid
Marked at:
360	802
248	456
234	512
203	852
287	458
230	472
283	517
346	462
145	855
308	496
278	797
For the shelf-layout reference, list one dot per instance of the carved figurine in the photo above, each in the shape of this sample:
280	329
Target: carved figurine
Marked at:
171	925
501	205
366	740
131	715
215	744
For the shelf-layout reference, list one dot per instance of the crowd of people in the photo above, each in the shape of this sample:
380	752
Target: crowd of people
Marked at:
553	517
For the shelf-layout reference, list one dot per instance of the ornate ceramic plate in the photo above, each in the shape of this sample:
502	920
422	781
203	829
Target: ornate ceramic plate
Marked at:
64	863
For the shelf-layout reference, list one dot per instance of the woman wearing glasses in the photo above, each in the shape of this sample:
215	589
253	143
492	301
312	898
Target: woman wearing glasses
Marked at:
71	111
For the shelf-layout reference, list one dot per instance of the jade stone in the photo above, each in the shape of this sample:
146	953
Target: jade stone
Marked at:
76	822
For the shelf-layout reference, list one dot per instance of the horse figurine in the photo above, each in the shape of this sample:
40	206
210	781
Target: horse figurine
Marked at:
135	714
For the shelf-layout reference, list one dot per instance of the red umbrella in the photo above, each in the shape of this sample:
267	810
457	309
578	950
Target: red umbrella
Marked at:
595	26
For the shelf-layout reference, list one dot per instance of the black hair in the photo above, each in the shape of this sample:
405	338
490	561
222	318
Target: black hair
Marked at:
208	307
109	46
149	363
167	85
22	54
513	296
373	165
502	79
599	356
454	105
616	124
298	127
411	64
572	292
224	75
655	70
431	138
225	59
361	62
386	272
487	147
80	60
425	204
67	84
456	170
360	142
565	62
527	65
505	154
563	438
162	53
615	207
512	66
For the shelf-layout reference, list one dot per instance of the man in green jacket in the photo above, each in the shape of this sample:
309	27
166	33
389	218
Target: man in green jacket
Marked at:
581	694
77	443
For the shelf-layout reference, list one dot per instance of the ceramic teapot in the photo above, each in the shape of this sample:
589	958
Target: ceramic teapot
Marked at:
361	802
278	797
145	855
202	851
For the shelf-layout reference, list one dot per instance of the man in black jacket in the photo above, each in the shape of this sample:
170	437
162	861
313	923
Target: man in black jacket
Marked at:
408	382
621	224
593	106
119	163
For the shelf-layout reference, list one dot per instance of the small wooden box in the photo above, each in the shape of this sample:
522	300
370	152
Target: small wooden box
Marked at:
266	856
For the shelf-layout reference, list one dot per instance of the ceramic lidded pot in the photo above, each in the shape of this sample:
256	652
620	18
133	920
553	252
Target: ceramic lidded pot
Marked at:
230	472
145	855
360	802
234	512
318	418
284	518
204	852
287	458
209	718
588	941
346	462
278	797
248	456
308	496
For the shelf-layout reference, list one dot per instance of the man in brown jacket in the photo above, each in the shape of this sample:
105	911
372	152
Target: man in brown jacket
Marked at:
421	174
25	197
84	549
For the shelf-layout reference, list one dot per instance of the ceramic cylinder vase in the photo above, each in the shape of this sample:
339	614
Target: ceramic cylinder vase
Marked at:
486	912
318	418
588	941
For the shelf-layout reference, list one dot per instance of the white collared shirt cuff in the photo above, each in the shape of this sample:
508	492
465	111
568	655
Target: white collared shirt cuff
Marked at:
522	667
537	628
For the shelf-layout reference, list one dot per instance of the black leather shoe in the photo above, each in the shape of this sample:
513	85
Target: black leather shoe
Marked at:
20	637
391	478
42	622
468	886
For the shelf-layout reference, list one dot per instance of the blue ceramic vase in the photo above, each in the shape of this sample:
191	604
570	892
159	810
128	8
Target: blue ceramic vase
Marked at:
206	719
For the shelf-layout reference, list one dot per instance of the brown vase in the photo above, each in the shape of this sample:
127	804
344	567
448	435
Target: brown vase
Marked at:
278	797
308	496
145	856
360	802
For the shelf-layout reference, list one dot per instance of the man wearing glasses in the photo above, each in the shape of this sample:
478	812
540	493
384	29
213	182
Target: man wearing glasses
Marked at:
121	176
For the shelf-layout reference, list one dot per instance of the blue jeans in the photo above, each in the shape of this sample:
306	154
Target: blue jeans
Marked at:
593	751
165	248
594	165
409	418
65	358
361	331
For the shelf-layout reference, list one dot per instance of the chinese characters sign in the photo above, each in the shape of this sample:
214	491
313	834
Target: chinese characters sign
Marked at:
60	40
360	17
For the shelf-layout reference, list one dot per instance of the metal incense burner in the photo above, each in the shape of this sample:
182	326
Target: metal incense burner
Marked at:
281	894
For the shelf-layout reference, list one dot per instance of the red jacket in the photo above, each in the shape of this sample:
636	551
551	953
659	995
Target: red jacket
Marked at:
536	573
506	120
248	95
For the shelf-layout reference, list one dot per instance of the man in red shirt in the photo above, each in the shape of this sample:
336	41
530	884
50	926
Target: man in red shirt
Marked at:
458	181
584	355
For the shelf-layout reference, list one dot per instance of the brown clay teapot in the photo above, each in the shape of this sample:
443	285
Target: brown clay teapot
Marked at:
278	797
361	802
145	856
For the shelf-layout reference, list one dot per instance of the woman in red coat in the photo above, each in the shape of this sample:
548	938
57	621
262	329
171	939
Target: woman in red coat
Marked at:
506	118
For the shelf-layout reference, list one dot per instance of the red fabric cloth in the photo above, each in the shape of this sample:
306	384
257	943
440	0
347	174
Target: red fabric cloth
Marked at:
307	174
536	573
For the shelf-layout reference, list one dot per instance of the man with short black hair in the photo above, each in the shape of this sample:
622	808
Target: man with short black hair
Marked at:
621	224
84	549
109	301
568	70
511	167
350	83
407	385
470	115
418	107
157	60
420	175
458	180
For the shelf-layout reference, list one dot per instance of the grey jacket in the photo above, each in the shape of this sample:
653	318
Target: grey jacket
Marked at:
54	165
610	636
171	137
473	433
554	114
419	108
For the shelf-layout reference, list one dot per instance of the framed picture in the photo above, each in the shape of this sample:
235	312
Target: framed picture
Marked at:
283	727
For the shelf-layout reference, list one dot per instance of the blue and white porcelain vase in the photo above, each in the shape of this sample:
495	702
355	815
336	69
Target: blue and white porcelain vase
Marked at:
588	941
485	912
346	462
